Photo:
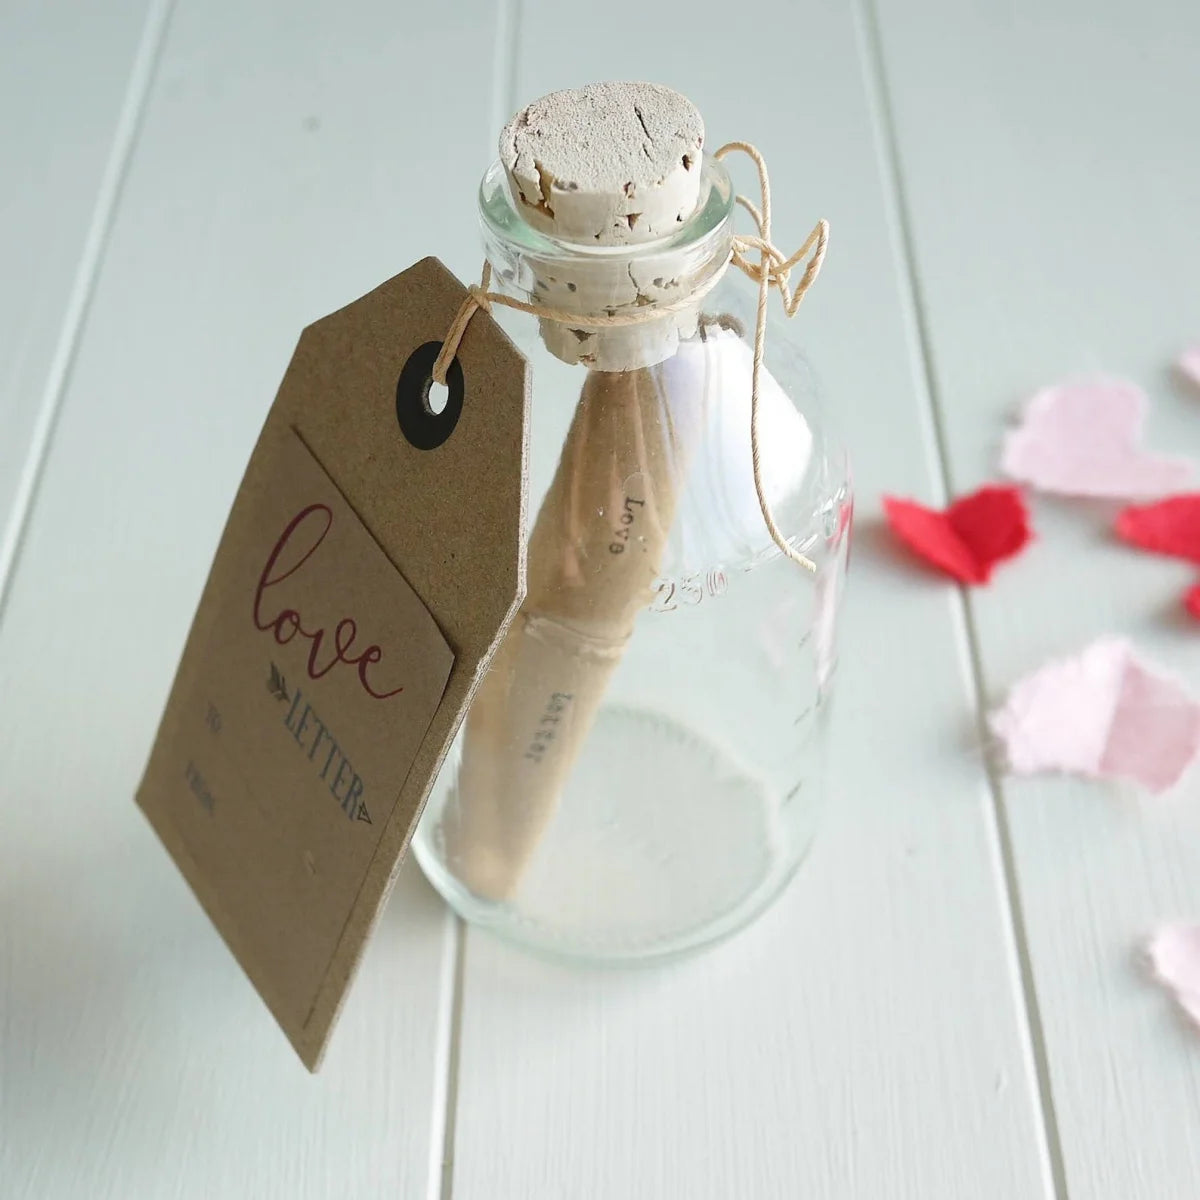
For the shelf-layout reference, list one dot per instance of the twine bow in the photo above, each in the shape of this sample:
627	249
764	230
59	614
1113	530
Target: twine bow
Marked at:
770	269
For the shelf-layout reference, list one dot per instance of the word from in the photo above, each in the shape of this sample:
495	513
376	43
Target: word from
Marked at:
309	528
312	734
547	729
199	788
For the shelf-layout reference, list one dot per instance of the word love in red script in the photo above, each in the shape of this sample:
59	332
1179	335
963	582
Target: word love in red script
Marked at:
299	542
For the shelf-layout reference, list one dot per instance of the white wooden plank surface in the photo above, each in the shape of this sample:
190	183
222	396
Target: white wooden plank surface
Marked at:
1049	158
270	184
71	84
867	1037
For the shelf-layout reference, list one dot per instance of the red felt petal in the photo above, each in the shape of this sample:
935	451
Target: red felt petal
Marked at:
994	523
970	537
1170	526
1192	601
927	532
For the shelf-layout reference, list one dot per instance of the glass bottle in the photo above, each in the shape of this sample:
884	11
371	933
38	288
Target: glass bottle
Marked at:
641	771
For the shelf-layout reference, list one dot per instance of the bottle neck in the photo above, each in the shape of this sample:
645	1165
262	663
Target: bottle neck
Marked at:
663	282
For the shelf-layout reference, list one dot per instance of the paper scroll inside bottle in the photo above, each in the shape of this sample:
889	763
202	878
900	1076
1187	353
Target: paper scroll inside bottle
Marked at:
628	468
594	555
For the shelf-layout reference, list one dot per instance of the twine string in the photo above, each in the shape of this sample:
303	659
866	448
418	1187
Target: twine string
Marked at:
756	256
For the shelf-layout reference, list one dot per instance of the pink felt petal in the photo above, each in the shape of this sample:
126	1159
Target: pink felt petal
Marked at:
1174	953
1155	730
1101	713
1189	364
1057	718
1083	439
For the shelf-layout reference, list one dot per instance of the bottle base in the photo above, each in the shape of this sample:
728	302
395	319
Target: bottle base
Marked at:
662	844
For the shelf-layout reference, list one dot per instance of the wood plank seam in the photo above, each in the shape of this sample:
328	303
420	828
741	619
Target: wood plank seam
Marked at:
125	136
443	1181
866	16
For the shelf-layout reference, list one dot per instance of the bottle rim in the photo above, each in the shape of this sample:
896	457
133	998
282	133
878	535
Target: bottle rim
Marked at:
705	235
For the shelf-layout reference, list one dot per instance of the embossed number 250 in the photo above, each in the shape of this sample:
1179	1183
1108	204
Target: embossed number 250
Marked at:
669	595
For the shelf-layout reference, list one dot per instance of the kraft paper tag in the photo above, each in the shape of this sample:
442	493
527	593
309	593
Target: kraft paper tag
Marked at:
372	560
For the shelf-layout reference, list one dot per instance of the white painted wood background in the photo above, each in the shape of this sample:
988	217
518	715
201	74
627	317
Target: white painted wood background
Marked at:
945	1004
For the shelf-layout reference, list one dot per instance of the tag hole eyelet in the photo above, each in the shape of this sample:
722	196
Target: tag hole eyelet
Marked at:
428	412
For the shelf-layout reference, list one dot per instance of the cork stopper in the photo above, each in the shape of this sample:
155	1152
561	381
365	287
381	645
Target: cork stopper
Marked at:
609	165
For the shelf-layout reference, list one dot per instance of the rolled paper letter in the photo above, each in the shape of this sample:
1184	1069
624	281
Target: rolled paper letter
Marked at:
595	552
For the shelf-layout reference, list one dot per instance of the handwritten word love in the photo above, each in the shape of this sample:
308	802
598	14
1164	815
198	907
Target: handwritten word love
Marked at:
303	537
